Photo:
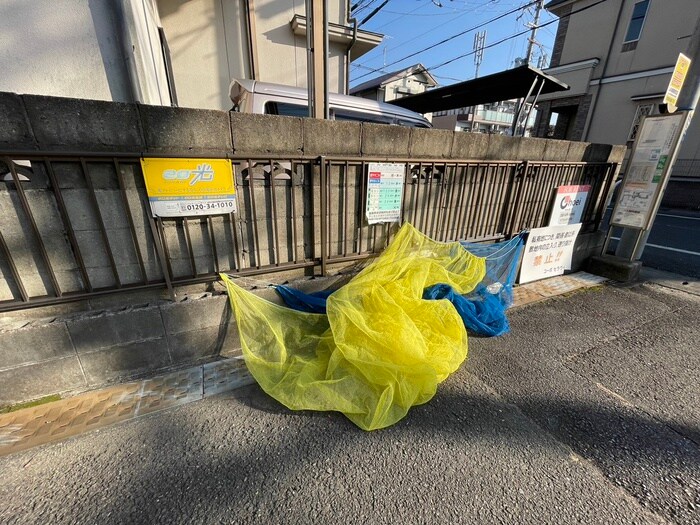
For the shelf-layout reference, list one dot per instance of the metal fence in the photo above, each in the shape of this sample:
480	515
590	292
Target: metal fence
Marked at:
73	226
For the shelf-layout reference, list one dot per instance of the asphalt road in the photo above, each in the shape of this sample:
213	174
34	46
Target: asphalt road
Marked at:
588	412
674	243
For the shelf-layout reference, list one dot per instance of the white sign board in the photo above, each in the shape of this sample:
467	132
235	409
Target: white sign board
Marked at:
548	252
647	170
384	192
569	204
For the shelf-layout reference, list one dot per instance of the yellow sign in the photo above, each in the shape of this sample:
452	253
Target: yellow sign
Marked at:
677	80
183	187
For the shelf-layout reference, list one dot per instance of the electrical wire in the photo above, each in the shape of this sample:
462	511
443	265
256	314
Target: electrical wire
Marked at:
416	37
376	10
359	6
450	38
516	35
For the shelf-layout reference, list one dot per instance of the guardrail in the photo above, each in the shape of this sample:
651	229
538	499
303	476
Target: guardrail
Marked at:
77	225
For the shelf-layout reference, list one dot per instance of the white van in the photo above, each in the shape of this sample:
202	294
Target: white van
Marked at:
252	96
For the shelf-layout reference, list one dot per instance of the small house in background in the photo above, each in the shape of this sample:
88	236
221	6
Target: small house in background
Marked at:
409	81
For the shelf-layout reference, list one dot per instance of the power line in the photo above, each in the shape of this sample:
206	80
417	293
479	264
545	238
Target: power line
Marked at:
454	36
376	10
415	37
413	13
516	35
448	39
399	17
359	6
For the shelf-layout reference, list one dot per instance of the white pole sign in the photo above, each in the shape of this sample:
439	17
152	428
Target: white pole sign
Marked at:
647	170
569	205
384	192
548	252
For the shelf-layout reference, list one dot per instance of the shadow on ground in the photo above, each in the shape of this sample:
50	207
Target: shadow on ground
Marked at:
275	461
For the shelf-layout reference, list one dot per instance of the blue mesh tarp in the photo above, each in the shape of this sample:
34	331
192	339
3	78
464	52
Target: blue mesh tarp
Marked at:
314	303
482	310
501	266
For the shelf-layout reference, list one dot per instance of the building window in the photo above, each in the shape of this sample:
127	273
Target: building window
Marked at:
637	22
642	111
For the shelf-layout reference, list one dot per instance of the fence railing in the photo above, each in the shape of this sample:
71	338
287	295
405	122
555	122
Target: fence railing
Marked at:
75	226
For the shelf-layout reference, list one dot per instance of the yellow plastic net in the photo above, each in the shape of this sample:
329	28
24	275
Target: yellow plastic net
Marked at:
380	349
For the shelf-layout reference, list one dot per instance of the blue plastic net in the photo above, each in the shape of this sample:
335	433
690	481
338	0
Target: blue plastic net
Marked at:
482	310
501	267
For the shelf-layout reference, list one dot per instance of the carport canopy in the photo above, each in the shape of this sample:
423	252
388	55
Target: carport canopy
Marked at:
517	83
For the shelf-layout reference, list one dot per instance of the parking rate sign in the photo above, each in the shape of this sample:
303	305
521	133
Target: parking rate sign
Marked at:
384	192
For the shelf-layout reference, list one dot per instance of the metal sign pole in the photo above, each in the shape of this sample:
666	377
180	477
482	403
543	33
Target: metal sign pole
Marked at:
648	171
687	101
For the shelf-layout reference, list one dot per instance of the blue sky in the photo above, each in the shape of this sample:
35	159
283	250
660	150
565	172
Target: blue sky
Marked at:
412	25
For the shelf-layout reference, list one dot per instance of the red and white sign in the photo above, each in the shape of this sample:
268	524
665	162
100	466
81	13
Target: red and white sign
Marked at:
548	252
569	204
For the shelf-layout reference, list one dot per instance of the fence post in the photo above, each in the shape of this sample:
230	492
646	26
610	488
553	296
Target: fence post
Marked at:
324	213
520	179
611	171
158	242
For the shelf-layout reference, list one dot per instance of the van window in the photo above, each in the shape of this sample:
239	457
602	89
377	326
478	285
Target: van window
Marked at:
411	123
286	109
343	114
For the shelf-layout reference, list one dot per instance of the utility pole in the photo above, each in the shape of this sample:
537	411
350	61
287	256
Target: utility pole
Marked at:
479	41
317	57
532	41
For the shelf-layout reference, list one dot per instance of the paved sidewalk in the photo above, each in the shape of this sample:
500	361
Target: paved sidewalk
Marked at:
96	409
587	412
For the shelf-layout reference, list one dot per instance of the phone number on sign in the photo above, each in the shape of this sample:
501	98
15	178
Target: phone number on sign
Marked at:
204	206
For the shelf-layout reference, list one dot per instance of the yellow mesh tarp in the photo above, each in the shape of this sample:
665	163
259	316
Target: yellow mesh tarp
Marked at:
380	349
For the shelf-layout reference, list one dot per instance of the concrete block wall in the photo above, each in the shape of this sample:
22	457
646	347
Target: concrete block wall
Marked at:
85	221
91	349
94	342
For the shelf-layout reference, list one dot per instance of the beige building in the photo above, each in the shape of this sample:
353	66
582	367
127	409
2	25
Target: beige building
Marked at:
618	57
166	51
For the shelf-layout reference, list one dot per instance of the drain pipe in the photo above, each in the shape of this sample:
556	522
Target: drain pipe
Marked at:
128	49
326	105
352	44
347	62
309	59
